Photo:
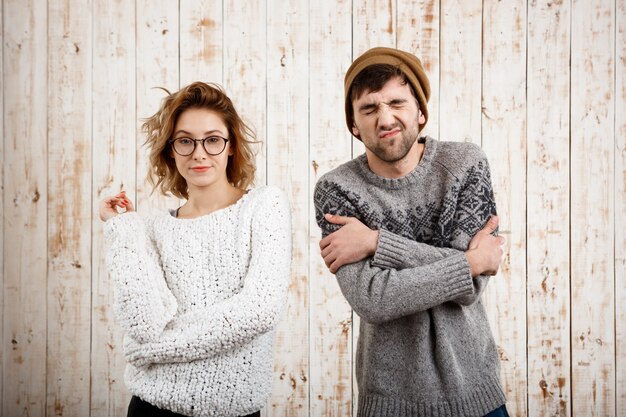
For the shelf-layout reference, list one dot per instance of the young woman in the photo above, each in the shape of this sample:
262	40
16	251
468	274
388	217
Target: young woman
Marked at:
199	290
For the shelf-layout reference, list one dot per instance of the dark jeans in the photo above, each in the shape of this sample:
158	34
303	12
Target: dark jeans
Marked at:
499	412
140	408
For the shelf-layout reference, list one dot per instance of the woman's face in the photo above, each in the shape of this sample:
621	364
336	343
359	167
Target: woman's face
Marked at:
201	168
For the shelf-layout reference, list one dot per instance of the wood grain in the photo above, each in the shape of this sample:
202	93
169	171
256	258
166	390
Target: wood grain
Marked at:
245	68
549	359
330	145
620	208
25	59
287	168
113	170
68	208
504	116
592	208
201	41
460	70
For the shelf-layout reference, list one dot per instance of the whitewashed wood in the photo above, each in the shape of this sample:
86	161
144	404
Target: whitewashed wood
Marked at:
548	259
69	182
620	208
418	33
245	72
592	208
114	162
201	41
330	340
373	24
287	167
157	67
25	217
1	211
504	116
460	80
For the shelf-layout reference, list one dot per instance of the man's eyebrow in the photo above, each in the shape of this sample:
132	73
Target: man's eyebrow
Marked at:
397	101
367	106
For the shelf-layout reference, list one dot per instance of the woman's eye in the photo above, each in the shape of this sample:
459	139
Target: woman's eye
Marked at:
212	139
184	141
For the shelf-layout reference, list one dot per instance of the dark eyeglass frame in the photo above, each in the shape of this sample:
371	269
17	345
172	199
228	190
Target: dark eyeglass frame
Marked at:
195	144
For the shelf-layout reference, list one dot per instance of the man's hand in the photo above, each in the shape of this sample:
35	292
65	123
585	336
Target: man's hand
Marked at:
484	252
352	243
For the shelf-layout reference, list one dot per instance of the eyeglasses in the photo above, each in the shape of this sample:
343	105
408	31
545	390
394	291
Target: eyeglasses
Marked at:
213	145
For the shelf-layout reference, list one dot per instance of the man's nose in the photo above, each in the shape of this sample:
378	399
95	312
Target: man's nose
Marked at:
386	117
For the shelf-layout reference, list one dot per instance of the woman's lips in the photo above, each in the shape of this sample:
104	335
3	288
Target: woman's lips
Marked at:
200	169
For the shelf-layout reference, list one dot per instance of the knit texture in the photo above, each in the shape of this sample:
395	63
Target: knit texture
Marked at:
425	347
199	300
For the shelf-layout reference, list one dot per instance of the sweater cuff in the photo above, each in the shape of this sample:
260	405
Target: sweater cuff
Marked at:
457	271
389	250
122	225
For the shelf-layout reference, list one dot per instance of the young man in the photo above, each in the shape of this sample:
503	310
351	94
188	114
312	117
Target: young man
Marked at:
402	229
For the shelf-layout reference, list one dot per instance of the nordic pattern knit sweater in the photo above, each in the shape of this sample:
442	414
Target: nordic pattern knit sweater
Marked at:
425	347
199	300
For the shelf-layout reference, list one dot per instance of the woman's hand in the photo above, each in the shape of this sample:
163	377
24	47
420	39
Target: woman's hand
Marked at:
109	206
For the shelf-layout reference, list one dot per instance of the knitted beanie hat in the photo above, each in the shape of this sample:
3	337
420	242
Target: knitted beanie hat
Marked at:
408	64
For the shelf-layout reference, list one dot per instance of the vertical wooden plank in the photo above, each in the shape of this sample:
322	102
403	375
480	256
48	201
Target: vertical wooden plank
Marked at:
69	169
330	146
287	167
548	257
114	127
620	208
373	24
25	196
157	66
592	205
2	200
201	41
460	64
418	33
331	378
245	67
504	116
548	260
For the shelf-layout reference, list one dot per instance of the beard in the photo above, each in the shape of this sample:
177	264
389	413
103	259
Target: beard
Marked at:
393	150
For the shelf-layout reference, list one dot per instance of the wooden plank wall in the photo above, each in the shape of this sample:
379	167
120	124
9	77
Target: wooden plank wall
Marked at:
540	85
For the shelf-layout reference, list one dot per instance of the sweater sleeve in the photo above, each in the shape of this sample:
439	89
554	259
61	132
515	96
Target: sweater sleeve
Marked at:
143	304
379	294
255	310
474	207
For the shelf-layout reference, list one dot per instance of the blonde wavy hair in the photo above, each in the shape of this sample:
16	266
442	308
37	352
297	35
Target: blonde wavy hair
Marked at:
162	173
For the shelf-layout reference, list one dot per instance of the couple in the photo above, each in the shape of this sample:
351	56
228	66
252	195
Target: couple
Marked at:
407	228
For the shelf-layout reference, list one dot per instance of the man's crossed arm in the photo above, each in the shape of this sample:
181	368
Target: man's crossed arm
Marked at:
355	241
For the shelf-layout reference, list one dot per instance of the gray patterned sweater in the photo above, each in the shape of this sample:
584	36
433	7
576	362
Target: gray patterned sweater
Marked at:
425	347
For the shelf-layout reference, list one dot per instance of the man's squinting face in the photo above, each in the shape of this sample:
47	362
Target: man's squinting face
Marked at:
387	121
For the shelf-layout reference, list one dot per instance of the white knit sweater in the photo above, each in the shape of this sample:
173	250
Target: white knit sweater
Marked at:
199	300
